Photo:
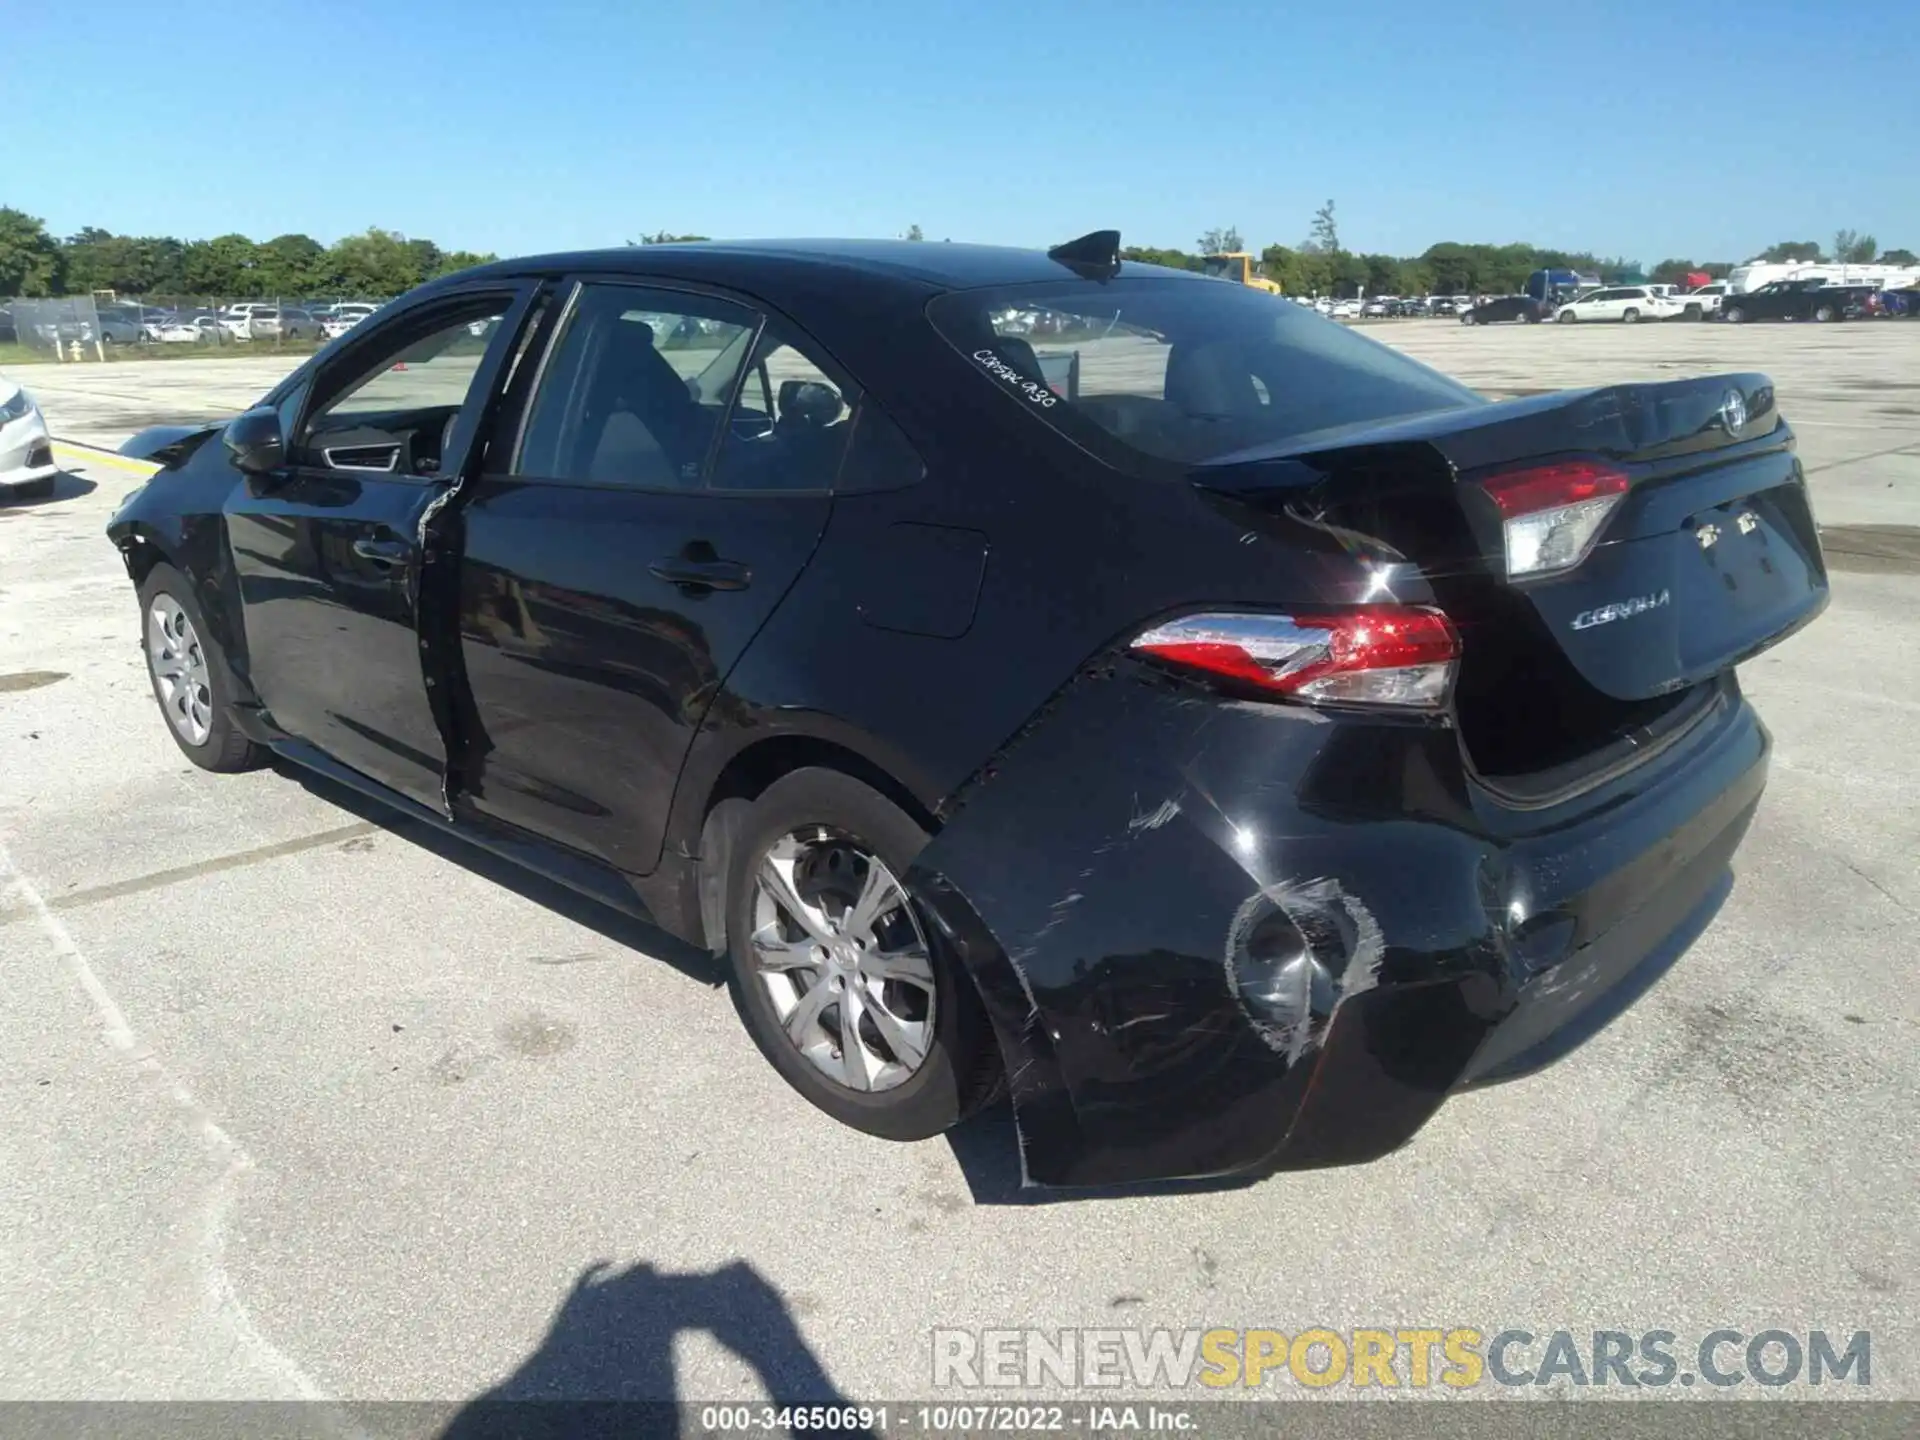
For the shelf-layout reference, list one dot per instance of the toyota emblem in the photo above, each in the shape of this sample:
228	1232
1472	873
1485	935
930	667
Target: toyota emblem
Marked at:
1733	412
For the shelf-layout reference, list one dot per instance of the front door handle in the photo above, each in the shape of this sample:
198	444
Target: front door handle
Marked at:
384	552
696	574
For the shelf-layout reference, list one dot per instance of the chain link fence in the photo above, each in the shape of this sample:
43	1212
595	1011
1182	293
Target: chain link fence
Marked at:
93	329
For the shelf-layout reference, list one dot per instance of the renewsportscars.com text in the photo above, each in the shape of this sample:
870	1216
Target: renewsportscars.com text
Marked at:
1456	1357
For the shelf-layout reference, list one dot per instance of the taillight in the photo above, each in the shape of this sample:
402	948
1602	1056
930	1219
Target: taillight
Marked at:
1552	514
1395	655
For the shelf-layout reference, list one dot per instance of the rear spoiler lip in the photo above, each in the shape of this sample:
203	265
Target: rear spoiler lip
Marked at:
1599	424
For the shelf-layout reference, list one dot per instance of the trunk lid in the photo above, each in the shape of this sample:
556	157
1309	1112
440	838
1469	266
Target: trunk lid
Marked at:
1708	555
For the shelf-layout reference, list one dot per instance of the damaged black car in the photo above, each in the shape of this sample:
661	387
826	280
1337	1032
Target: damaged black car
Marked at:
1032	672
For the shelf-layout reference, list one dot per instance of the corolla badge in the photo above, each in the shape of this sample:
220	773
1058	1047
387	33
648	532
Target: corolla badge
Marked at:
1620	610
1733	412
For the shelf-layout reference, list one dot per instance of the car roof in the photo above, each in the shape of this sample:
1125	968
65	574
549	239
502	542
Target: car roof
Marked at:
938	264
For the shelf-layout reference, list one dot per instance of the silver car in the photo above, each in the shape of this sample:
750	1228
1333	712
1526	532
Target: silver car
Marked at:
284	322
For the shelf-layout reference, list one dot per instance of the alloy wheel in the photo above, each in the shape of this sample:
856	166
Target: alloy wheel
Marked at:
179	666
843	959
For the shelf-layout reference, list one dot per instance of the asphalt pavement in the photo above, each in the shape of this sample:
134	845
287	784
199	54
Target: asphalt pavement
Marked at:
306	1103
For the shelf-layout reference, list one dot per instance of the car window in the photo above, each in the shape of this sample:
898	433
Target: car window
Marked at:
879	457
789	428
423	362
1153	372
634	388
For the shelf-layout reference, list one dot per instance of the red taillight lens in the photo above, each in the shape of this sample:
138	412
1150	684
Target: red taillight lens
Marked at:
1551	515
1396	655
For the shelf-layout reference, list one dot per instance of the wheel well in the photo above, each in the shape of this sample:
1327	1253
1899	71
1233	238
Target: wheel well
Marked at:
751	771
743	780
140	554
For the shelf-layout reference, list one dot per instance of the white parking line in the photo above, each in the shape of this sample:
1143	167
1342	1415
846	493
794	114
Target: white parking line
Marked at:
221	1299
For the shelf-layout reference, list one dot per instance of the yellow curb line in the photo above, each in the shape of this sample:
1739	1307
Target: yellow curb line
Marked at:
88	455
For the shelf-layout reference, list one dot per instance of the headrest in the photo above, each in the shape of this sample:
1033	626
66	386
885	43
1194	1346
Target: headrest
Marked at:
808	402
1019	353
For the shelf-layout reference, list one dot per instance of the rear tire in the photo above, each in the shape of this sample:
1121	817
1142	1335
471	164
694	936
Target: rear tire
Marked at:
821	834
1631	317
188	672
1826	314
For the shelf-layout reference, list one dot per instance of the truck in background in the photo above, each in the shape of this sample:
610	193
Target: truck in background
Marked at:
1241	268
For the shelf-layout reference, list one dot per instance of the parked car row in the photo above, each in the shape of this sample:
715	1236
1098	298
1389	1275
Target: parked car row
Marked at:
1388	307
1803	299
247	320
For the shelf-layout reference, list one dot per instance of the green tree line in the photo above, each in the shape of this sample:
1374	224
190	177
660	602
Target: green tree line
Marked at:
381	263
1322	265
374	265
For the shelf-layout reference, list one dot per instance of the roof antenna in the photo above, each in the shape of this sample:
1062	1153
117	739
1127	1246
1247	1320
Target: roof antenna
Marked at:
1095	256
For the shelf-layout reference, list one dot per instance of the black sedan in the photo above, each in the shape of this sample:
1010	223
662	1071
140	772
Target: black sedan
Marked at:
1222	732
1521	308
1797	300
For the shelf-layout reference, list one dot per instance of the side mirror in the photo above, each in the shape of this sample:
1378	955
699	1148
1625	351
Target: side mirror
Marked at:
254	441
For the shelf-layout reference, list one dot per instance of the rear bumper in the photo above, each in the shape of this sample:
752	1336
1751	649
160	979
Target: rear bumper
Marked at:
1220	939
26	452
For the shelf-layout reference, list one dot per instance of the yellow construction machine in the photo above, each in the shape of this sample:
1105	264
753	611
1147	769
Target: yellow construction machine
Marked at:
1241	268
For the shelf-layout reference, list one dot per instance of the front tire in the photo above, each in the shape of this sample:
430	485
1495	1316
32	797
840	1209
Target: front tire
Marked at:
1567	317
1631	317
188	673
1733	315
1826	314
831	969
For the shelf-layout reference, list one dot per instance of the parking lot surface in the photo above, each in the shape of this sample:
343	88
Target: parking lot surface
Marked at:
305	1103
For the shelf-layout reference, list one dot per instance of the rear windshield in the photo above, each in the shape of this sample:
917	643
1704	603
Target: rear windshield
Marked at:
1173	371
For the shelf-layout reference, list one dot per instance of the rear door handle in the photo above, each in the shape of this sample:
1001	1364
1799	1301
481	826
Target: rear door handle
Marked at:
690	574
384	552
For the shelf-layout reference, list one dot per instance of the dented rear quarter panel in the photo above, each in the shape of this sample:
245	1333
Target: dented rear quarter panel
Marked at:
1102	881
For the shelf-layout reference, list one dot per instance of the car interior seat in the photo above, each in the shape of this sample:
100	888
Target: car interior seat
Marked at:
640	422
807	432
1212	381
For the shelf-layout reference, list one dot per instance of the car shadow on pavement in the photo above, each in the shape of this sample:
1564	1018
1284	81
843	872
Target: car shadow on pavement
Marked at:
65	487
987	1149
626	930
605	1366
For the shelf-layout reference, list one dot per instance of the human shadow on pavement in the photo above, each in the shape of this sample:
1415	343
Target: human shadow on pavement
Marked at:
606	1365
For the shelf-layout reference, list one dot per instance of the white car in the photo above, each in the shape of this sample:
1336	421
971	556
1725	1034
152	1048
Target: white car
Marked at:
337	324
237	320
1374	308
26	450
1703	303
1629	303
188	332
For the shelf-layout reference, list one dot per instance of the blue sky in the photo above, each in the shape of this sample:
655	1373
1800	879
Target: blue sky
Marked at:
1637	129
